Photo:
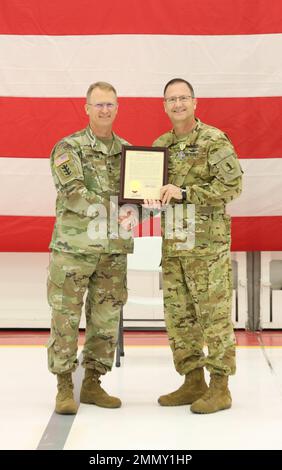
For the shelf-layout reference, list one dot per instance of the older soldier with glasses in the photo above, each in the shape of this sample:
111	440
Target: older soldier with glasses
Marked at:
86	171
197	280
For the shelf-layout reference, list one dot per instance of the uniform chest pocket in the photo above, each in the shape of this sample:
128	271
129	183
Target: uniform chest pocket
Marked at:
199	165
113	168
96	174
178	167
174	165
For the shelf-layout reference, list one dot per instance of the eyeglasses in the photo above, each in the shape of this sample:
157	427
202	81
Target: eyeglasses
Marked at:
174	99
101	105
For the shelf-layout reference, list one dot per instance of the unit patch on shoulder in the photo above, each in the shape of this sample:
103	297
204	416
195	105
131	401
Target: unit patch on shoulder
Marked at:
66	169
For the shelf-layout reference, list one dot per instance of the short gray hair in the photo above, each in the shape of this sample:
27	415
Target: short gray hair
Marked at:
102	85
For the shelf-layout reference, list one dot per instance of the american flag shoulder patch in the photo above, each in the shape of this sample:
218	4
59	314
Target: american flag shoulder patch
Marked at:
61	159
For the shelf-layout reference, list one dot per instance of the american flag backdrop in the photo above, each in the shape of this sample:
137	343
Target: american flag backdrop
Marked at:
50	51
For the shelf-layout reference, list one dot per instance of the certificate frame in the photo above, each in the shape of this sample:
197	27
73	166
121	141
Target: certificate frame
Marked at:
132	188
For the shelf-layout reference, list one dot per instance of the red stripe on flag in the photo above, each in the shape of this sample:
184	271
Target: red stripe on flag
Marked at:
31	126
33	234
213	17
257	233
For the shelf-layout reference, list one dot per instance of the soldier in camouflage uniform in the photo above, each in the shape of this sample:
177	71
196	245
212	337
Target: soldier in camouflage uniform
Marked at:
86	253
204	171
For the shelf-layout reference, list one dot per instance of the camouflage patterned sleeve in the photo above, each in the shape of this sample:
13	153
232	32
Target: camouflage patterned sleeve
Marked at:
226	176
69	181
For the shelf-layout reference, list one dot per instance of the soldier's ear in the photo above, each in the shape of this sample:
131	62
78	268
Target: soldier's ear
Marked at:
86	108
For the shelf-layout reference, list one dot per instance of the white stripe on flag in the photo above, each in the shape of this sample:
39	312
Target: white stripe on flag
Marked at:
140	65
27	188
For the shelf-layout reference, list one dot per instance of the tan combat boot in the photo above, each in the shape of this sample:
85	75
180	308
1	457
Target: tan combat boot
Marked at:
93	393
216	398
65	404
192	389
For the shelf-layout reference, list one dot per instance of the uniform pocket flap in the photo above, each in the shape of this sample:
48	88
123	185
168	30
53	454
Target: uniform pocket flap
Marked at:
220	155
57	275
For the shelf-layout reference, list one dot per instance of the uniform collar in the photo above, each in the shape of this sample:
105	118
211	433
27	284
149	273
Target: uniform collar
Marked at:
99	146
190	137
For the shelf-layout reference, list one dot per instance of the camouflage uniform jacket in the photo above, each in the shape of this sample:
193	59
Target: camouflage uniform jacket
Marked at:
86	174
206	165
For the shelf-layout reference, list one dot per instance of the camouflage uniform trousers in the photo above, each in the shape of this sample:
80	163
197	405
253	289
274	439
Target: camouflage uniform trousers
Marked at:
197	303
69	276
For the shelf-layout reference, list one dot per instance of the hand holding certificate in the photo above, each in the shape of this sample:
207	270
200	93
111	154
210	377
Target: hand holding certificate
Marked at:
143	173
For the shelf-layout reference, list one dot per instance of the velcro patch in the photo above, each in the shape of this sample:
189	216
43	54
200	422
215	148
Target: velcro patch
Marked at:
61	159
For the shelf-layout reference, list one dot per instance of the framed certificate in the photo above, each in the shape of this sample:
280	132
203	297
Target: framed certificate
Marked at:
143	173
